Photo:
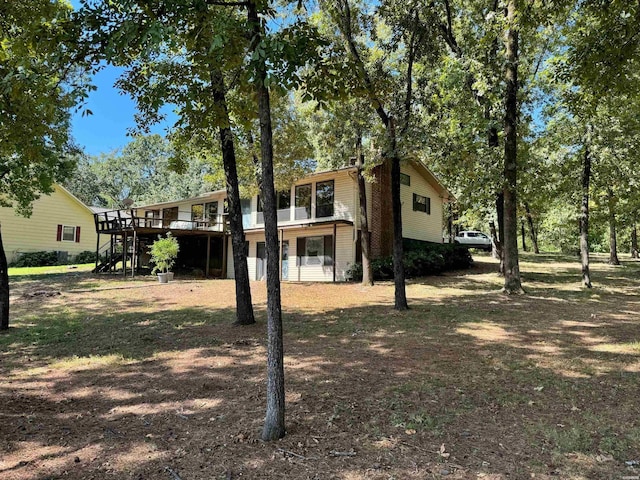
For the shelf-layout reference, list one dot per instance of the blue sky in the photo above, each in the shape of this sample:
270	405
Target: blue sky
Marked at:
113	112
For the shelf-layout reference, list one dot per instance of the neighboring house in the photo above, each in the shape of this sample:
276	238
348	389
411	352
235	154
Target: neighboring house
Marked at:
59	222
318	224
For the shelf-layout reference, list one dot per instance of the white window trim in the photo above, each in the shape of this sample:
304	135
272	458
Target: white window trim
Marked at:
75	230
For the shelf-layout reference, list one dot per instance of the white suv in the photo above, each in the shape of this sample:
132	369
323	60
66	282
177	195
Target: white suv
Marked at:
473	239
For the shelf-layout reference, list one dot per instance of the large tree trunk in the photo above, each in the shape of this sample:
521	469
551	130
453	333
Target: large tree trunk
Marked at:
274	420
367	276
634	241
584	218
613	240
244	307
510	242
396	205
4	288
532	231
389	124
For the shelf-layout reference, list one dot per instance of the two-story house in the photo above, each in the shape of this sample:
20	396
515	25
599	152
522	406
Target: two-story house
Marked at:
318	224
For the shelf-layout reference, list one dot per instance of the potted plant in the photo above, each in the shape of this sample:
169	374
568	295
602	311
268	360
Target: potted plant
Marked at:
164	252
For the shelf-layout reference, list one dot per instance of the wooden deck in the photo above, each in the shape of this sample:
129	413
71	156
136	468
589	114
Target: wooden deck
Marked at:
119	222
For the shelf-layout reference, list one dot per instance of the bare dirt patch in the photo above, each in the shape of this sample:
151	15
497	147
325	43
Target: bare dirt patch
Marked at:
132	379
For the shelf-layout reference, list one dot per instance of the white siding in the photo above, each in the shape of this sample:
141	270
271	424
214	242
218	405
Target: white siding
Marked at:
343	256
415	224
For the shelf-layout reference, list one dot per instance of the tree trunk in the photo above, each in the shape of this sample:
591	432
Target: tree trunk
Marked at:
498	246
396	204
532	231
274	420
634	241
367	276
389	124
244	307
584	218
4	288
613	240
524	238
512	282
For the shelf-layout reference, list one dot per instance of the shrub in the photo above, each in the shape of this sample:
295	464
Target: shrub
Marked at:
86	256
420	259
36	259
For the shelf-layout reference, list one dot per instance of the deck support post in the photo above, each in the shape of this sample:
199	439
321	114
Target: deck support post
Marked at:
111	248
335	229
206	271
281	251
134	254
97	251
225	242
124	254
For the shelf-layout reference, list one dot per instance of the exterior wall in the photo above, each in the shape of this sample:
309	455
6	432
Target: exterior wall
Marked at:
344	254
415	224
381	225
344	201
39	232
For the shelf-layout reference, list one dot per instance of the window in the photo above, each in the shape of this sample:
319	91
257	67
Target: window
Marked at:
211	211
68	234
405	179
303	202
283	200
324	199
283	206
169	215
152	218
197	213
315	251
421	204
260	217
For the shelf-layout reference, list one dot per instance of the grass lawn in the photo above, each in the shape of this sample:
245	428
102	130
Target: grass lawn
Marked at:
103	378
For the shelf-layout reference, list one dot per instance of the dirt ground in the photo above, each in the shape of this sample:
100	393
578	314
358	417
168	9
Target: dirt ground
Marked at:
129	379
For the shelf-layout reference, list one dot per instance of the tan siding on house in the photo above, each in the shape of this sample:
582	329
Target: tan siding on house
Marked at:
415	224
39	232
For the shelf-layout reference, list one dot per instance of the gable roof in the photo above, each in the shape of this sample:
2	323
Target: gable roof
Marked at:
73	197
433	180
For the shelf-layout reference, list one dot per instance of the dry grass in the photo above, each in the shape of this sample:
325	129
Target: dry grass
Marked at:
124	379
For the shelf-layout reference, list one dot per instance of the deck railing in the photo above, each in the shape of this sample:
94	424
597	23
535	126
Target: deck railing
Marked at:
126	220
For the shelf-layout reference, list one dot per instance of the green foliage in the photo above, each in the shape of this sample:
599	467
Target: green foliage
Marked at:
42	78
86	256
141	171
36	259
421	259
164	252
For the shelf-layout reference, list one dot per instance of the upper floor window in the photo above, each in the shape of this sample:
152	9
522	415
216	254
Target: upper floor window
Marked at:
284	205
197	213
211	211
169	215
324	199
421	204
303	202
405	179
